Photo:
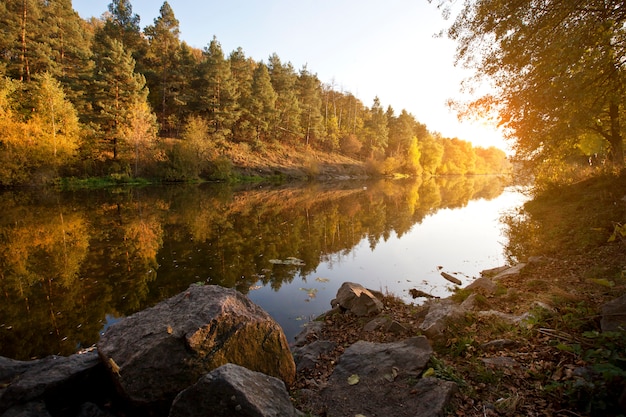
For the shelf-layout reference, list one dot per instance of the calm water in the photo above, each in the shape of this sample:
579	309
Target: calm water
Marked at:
72	263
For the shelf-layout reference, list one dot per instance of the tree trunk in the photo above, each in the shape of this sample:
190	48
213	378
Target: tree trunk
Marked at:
25	68
616	150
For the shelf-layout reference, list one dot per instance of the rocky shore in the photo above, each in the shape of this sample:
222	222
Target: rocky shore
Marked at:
211	351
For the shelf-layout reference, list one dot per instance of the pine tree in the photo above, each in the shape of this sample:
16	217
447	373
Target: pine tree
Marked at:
286	127
161	61
117	88
310	100
122	25
25	48
260	108
216	98
376	130
70	49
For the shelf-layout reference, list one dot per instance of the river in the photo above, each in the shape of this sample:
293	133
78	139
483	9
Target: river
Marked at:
72	263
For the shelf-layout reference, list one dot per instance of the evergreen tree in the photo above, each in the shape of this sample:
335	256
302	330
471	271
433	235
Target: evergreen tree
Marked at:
376	130
310	102
286	127
117	88
260	108
216	93
70	46
122	25
242	69
162	59
24	46
401	132
186	72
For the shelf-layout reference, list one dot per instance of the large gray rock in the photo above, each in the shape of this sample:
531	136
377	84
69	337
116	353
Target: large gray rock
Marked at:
375	361
383	379
156	353
232	390
614	315
51	378
357	299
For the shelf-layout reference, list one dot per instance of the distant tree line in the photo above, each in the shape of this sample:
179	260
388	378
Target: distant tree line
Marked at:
103	97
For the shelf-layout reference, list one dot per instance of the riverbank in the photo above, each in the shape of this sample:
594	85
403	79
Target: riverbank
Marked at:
539	350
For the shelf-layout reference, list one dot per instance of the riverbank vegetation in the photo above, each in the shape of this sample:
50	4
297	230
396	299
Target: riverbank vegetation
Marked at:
104	98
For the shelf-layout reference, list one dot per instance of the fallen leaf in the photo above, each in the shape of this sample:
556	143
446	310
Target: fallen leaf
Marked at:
353	379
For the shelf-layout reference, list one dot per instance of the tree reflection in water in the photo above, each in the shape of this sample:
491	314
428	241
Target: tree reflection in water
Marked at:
69	260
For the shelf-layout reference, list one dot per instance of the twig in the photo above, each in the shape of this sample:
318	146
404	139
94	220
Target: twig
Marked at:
558	334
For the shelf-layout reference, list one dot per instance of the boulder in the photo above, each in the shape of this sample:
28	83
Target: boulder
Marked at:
54	379
383	379
439	312
307	356
357	299
375	361
384	324
32	409
510	272
614	315
483	286
312	331
158	352
234	390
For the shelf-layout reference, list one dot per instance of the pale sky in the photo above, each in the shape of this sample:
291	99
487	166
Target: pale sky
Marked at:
367	47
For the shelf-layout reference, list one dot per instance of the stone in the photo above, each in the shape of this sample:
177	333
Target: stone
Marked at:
357	299
374	361
483	286
469	303
451	278
508	318
439	312
388	381
51	378
499	344
384	324
32	409
501	362
312	331
92	410
234	390
158	352
614	315
493	271
307	356
510	272
10	368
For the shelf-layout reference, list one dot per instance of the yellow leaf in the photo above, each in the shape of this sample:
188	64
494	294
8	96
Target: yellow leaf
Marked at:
602	281
428	373
353	379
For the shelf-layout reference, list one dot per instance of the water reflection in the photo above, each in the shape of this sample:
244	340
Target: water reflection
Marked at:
71	262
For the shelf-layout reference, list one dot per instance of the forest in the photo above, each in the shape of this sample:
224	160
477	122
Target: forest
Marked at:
105	98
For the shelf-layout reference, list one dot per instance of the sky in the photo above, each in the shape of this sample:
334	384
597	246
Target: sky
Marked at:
370	48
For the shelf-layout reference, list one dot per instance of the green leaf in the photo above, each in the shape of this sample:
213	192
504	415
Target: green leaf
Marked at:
353	379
